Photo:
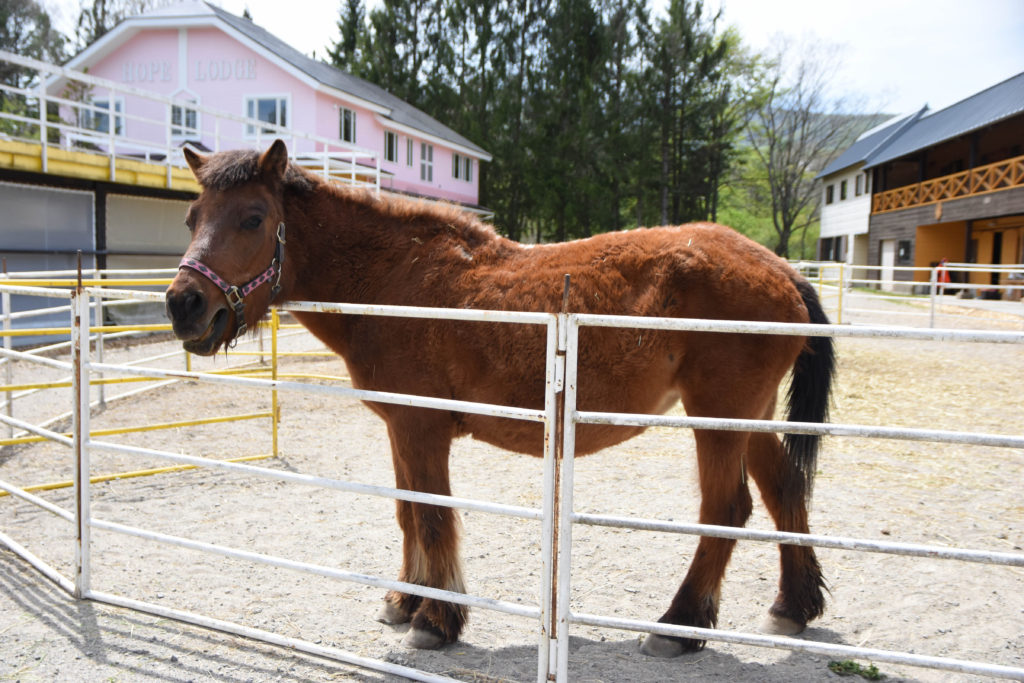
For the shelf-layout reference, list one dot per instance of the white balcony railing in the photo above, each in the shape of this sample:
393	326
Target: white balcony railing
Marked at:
120	122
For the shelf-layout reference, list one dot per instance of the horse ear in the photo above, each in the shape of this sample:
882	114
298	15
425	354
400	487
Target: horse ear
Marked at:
195	161
275	160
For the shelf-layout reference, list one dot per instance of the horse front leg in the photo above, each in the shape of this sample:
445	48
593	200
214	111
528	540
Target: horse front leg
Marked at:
430	544
725	501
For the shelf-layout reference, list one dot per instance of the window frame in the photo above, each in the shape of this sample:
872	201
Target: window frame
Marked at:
426	162
90	117
409	151
830	193
182	130
250	130
842	190
352	117
390	146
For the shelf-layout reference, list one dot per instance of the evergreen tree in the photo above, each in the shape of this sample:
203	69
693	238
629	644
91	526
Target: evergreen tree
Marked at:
345	53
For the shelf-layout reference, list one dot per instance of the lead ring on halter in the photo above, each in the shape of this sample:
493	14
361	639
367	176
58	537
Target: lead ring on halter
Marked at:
236	295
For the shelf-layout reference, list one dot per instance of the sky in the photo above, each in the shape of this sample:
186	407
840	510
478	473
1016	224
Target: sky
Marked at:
896	55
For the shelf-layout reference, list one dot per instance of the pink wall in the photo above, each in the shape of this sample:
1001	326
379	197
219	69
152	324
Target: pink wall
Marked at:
221	73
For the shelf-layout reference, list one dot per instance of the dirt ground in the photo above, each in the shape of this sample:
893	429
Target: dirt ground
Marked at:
876	489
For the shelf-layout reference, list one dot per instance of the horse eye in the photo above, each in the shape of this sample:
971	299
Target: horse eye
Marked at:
252	223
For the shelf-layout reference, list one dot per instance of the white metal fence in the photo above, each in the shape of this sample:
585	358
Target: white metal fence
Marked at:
947	297
552	610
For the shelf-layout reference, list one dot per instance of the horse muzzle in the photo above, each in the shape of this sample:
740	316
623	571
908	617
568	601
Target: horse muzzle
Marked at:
200	325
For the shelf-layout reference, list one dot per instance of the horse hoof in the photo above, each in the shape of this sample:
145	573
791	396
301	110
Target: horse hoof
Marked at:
389	614
421	639
781	626
662	646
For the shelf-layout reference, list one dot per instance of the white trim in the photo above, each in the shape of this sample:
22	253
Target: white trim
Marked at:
440	142
182	59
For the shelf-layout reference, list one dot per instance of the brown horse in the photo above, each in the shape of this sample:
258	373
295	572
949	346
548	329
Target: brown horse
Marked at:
347	245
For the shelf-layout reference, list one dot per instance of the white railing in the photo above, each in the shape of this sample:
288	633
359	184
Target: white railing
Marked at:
552	611
848	289
75	119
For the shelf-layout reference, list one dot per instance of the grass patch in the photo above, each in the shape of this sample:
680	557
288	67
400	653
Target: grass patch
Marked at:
848	667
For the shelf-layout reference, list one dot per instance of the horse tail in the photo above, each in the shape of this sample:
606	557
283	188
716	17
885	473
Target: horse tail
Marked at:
809	391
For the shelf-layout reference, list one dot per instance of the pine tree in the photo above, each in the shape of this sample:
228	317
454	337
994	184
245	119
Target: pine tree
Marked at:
345	53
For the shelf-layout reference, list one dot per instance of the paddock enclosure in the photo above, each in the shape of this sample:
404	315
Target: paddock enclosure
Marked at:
925	453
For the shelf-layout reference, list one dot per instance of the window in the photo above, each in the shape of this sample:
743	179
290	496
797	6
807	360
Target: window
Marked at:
462	167
408	152
859	190
829	194
842	190
346	125
903	251
99	121
390	146
867	182
269	109
184	122
426	162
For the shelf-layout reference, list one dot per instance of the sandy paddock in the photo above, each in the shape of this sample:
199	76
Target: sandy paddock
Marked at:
892	490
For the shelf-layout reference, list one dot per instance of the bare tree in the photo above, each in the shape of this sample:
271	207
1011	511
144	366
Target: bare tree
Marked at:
97	17
796	130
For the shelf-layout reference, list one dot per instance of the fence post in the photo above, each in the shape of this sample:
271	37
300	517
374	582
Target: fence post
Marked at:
98	317
565	507
43	129
8	343
933	294
80	434
842	289
275	406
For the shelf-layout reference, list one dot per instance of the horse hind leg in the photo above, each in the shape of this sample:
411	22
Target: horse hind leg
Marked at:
800	598
725	501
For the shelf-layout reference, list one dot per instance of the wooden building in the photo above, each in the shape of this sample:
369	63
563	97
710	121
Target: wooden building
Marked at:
940	185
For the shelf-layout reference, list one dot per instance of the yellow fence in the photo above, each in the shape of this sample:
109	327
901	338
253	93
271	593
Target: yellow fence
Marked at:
258	364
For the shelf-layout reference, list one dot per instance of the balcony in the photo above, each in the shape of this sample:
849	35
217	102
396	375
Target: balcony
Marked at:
1002	175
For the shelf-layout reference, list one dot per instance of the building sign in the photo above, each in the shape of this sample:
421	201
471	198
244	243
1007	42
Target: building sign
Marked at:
225	70
146	72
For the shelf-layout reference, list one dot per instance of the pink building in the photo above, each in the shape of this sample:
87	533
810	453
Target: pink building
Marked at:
207	59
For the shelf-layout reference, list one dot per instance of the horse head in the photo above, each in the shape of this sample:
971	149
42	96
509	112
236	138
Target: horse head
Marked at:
231	270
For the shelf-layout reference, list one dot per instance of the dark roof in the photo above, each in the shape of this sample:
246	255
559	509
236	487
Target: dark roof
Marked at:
870	143
994	104
923	129
400	111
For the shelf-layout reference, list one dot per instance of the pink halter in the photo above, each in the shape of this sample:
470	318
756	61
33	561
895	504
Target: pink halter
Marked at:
236	295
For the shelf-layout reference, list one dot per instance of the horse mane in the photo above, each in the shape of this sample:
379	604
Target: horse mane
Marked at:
225	170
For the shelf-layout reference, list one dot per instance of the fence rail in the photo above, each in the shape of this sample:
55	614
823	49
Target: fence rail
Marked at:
552	611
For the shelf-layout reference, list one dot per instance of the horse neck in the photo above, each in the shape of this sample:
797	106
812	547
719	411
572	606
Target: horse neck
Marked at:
335	252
